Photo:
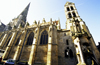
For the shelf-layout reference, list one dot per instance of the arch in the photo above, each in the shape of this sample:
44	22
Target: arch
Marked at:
44	37
30	39
72	8
71	53
74	15
68	9
69	15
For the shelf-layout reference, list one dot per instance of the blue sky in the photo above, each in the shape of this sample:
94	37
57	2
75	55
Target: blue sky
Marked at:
88	10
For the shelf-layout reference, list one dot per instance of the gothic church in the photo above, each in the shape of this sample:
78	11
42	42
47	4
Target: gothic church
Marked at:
46	43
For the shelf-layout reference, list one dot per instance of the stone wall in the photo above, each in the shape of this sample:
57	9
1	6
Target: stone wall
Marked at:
25	53
41	54
12	52
62	46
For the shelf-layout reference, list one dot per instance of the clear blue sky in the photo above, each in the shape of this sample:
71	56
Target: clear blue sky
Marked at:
89	11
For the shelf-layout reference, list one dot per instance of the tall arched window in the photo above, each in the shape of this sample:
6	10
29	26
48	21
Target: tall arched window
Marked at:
68	9
72	8
8	42
30	39
69	15
44	37
74	15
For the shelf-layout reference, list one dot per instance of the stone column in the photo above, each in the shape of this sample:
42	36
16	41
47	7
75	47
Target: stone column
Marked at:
9	46
17	53
3	40
52	57
49	54
79	52
49	45
33	49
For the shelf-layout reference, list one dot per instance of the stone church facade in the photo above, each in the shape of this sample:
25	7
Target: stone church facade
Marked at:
47	44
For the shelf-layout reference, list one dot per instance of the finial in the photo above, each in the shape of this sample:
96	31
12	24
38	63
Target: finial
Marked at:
50	19
39	22
27	24
43	20
34	22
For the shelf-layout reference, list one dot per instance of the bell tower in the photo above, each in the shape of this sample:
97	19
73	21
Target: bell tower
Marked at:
81	36
70	12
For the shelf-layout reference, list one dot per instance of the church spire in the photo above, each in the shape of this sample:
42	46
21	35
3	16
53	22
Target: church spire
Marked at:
24	13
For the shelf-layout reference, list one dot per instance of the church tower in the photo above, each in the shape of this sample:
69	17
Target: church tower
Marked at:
82	38
21	19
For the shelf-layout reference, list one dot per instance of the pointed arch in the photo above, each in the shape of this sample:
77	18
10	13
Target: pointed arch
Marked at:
44	37
74	15
69	15
30	39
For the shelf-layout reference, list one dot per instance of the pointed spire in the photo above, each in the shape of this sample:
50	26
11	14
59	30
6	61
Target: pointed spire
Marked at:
24	13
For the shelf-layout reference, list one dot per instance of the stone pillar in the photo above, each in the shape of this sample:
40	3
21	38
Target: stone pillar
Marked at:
17	53
52	57
79	52
33	49
9	46
49	54
3	40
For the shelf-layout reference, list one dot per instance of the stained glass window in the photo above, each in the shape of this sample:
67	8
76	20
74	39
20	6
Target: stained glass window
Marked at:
44	37
30	39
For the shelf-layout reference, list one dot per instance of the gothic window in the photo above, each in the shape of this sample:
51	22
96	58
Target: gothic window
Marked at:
72	8
8	42
69	15
17	40
44	37
74	15
66	54
67	43
71	53
68	9
30	39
